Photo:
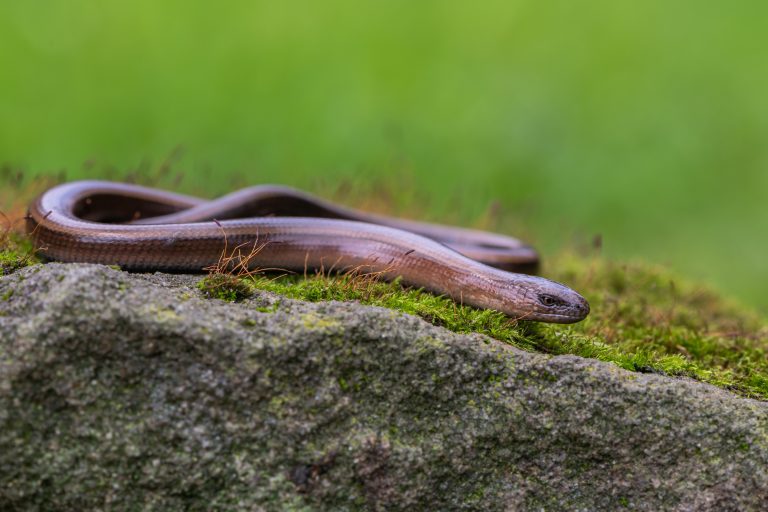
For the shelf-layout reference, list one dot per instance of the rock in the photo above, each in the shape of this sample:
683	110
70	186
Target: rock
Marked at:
129	391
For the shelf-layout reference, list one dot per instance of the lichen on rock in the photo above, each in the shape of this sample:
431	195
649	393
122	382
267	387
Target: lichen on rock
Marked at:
129	391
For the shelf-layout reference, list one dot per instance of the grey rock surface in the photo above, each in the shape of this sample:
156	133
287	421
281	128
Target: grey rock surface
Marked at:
125	391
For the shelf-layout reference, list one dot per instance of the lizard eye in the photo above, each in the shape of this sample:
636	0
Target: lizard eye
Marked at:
548	300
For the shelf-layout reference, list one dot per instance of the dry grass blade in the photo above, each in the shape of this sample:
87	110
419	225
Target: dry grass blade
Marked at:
228	278
363	279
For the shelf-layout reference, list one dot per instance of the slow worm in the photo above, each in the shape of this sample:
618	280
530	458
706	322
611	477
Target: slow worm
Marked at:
141	228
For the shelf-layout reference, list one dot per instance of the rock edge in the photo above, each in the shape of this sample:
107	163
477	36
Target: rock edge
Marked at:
123	391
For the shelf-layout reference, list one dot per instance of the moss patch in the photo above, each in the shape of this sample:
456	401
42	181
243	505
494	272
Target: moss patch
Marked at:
15	252
225	287
437	310
644	318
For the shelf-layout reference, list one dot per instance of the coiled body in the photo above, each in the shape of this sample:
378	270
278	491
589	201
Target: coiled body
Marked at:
141	228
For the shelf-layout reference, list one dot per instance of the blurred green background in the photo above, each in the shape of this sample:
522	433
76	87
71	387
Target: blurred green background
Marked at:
643	122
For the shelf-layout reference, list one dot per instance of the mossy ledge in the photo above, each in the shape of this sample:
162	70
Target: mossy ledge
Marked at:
133	391
15	253
644	318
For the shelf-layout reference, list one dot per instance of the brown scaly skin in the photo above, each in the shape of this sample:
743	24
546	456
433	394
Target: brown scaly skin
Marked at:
141	228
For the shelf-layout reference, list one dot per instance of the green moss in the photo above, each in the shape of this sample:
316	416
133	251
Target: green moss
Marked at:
268	309
437	310
15	253
644	319
225	287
